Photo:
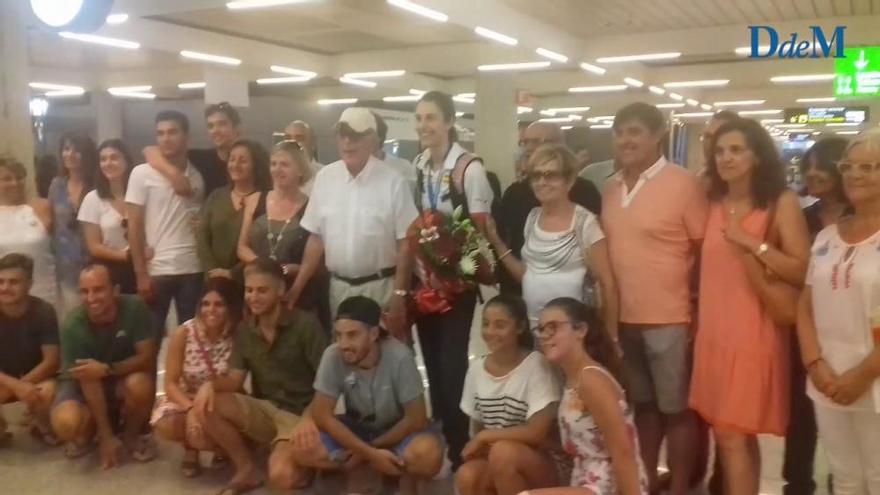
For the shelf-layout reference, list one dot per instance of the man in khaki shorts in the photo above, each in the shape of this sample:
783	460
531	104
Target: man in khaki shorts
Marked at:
281	350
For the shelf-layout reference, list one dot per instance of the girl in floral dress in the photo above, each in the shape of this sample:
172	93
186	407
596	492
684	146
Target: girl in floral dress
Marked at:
197	353
595	421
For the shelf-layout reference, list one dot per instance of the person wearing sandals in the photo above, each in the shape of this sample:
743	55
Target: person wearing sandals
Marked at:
280	349
28	347
198	352
107	387
511	396
595	420
385	429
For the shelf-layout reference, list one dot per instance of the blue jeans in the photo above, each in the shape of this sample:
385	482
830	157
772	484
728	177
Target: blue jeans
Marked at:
184	289
337	453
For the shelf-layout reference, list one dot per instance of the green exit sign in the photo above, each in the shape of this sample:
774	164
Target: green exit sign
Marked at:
858	74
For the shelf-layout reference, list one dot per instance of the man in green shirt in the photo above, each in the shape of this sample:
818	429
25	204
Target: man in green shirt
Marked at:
108	355
281	349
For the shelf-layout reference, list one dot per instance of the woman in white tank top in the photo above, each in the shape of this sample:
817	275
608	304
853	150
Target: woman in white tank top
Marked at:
26	228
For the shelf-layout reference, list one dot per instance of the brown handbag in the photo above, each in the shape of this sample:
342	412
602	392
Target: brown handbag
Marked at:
780	299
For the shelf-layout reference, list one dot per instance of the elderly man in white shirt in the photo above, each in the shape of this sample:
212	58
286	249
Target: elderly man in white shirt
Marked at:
358	216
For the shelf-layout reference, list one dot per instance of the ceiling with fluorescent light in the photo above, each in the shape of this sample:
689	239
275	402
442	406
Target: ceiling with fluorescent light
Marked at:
334	37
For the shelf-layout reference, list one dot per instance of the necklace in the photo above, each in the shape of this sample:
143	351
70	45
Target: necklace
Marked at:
240	197
273	238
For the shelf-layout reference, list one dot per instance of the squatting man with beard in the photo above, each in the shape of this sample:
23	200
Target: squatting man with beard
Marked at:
385	427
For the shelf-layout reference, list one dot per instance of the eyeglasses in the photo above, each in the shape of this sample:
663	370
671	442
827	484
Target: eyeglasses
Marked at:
526	142
291	142
549	176
549	329
862	168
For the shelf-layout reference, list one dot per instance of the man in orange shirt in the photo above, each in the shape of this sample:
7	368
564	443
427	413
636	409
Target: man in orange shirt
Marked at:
654	215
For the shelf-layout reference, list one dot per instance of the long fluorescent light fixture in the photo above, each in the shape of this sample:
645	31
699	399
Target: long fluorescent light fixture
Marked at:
633	82
826	99
417	92
207	57
117	18
772	121
568	110
464	99
847	133
706	106
792	126
676	96
600	126
192	85
522	110
136	94
469	96
600	118
696	84
357	82
66	92
843	124
638	58
595	69
558	57
283	80
337	101
100	40
738	103
129	89
694	114
760	112
375	74
657	90
802	78
496	36
555	120
394	99
53	86
291	71
692	102
669	105
515	66
598	89
420	10
257	4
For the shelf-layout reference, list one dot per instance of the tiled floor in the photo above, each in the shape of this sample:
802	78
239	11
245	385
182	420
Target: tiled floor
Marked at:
26	468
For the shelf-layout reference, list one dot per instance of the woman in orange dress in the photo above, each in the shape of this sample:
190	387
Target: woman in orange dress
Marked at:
740	380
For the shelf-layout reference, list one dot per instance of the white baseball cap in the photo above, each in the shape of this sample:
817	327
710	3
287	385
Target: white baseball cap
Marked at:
359	119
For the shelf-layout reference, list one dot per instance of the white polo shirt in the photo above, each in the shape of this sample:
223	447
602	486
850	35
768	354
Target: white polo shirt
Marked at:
168	219
360	219
403	167
437	183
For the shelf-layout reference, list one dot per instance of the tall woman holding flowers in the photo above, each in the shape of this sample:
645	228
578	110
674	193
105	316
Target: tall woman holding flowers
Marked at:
449	178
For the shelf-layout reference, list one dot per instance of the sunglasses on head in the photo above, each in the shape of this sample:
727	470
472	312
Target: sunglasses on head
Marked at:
863	168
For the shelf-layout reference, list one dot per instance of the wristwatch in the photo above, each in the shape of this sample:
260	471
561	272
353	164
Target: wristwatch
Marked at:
762	249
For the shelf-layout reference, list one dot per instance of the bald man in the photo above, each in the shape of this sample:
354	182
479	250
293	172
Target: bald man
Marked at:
518	199
301	132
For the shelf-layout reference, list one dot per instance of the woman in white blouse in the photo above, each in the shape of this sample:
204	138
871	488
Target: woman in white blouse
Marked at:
511	396
102	214
839	326
565	249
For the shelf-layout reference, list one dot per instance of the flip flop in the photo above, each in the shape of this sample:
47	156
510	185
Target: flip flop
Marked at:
144	450
45	436
73	450
239	488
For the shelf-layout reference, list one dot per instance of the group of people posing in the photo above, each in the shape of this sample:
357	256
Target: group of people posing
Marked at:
668	305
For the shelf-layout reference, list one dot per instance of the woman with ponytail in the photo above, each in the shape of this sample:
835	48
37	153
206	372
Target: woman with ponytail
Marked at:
511	396
595	420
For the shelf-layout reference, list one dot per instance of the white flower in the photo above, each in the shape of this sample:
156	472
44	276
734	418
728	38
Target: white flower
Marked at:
467	265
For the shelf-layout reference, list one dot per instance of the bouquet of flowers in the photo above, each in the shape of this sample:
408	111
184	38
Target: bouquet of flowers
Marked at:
453	257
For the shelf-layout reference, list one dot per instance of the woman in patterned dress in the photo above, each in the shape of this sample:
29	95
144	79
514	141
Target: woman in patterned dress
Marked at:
197	353
595	420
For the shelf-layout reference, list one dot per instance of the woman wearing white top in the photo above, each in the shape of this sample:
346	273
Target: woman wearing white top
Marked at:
103	218
511	396
563	242
27	225
445	337
839	327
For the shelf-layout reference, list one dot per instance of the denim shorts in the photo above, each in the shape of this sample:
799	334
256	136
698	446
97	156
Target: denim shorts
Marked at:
337	453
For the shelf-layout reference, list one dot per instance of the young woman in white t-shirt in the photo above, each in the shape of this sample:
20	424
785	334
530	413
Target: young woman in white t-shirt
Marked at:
839	326
511	396
563	241
103	217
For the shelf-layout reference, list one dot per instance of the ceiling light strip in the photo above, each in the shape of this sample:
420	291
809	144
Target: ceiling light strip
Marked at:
696	84
207	57
100	40
638	58
595	69
376	74
514	66
556	56
496	36
598	89
419	10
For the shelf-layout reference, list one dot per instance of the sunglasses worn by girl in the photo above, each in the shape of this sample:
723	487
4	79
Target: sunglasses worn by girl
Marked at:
549	176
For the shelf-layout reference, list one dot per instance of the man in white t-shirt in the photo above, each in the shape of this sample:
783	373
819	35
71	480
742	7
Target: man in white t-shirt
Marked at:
161	225
358	216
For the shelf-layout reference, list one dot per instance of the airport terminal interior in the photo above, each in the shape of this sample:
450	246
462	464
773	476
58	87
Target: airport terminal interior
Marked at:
804	69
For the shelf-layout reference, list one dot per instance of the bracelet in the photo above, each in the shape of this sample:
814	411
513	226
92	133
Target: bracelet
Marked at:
813	362
505	254
400	292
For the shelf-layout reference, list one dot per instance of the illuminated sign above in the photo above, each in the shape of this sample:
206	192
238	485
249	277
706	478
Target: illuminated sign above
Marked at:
858	75
826	115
